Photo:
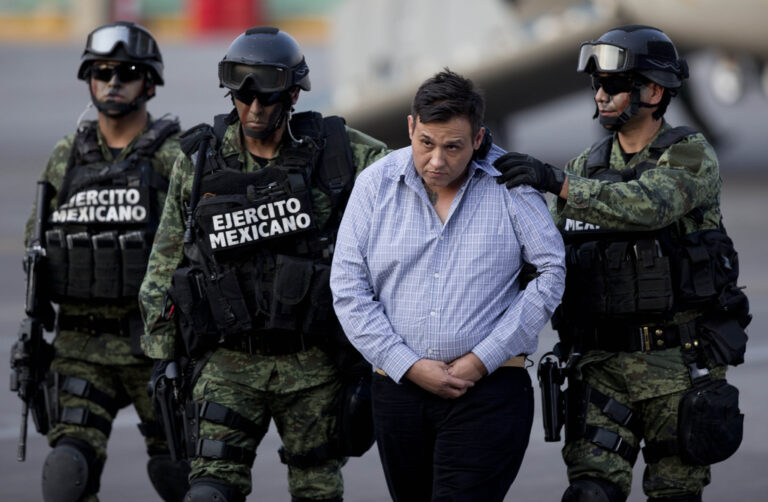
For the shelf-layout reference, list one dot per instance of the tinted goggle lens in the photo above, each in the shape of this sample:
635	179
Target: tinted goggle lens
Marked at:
265	98
136	43
606	57
125	72
612	85
265	78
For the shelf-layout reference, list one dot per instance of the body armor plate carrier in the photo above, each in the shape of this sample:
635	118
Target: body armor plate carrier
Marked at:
100	233
257	261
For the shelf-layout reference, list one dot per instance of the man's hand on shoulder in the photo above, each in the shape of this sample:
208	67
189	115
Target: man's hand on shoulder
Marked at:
433	376
468	367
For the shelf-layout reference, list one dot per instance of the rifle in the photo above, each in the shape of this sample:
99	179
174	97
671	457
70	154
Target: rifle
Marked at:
31	355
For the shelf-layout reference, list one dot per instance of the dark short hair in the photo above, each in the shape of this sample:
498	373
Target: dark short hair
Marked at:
448	95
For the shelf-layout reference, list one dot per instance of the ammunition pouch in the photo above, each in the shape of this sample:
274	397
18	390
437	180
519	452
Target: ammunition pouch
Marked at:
709	423
710	426
229	308
617	279
723	341
196	324
106	265
707	264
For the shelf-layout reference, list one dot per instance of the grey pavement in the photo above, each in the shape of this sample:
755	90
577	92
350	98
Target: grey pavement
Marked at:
40	101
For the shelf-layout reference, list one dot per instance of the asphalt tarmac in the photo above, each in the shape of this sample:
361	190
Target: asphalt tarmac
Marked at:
40	102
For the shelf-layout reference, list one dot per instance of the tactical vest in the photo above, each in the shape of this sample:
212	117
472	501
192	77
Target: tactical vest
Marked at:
100	233
258	261
641	277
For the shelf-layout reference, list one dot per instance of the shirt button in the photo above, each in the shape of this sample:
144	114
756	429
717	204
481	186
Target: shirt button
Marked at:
430	351
437	276
433	313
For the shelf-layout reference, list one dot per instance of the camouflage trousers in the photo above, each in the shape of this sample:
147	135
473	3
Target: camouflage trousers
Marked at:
300	392
126	384
651	385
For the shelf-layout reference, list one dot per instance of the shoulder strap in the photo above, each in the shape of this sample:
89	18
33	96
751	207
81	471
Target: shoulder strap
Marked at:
336	174
153	139
599	161
661	144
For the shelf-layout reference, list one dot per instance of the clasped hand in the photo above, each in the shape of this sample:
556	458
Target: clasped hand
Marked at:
446	380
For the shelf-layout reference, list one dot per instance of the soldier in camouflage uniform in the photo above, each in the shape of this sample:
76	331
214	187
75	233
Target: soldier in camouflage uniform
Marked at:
621	205
109	182
242	258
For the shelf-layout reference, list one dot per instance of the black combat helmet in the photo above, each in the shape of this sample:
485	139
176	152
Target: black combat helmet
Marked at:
267	57
122	41
636	49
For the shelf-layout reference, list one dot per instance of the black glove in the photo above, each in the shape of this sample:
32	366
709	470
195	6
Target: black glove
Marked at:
521	169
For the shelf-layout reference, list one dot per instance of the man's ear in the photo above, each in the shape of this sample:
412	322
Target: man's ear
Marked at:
411	126
657	92
478	138
294	95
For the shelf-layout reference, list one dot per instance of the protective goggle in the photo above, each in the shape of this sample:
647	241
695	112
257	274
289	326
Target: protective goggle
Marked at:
613	84
265	78
607	58
136	43
125	72
265	98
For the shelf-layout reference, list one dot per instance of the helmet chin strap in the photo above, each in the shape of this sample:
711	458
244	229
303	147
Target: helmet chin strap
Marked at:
615	124
117	110
276	119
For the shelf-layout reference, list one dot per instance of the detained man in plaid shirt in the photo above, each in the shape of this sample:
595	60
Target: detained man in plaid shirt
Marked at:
425	284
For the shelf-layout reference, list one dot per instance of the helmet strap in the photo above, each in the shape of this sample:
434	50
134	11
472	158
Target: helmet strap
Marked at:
614	124
117	110
276	119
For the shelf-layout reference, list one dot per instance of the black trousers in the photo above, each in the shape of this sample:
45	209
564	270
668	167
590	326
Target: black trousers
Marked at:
465	449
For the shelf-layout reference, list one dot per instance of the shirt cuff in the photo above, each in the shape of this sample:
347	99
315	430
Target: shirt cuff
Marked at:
490	354
398	361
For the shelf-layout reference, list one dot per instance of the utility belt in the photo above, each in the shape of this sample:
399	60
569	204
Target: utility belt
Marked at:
621	338
105	265
270	343
129	326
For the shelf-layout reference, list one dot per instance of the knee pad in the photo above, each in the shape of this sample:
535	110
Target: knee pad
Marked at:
170	479
593	490
71	471
213	490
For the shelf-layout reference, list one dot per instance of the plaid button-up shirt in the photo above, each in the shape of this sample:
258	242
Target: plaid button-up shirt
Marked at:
407	286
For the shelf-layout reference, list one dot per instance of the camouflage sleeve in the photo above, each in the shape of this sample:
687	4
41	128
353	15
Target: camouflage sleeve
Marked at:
159	340
686	177
163	161
53	173
365	149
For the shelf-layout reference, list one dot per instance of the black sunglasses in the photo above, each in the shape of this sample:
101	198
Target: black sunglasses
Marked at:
613	84
125	72
265	98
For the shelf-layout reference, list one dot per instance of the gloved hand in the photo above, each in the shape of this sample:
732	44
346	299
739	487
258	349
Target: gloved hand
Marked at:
522	169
